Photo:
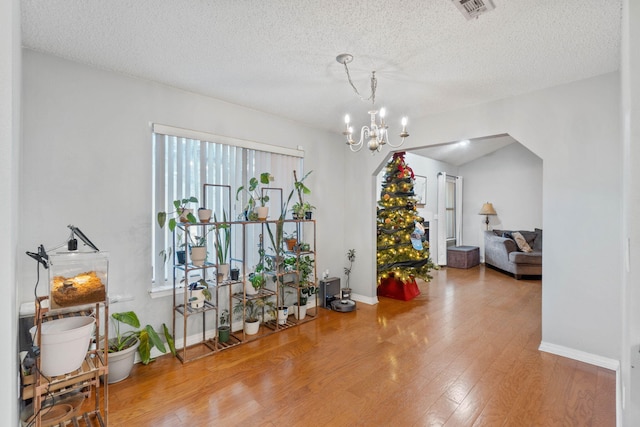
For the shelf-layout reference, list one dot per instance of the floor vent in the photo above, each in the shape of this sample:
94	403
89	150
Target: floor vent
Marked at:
473	8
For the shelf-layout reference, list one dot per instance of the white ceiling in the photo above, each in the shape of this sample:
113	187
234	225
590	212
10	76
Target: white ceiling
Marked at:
278	56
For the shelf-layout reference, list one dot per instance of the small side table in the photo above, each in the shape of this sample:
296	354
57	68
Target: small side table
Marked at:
463	256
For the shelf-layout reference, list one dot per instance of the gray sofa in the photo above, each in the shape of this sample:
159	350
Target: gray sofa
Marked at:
502	252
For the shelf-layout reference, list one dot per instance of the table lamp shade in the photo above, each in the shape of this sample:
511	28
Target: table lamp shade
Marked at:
487	209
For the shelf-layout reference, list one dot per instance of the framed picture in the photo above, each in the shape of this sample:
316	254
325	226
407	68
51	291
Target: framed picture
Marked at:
420	189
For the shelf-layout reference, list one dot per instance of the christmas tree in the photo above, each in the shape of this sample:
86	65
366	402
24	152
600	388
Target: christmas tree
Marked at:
401	252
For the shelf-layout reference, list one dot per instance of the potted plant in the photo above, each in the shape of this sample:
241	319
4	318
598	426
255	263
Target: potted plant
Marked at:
291	240
298	209
254	190
305	268
346	291
308	210
256	281
222	244
198	293
252	310
182	212
123	346
204	215
224	330
300	307
199	247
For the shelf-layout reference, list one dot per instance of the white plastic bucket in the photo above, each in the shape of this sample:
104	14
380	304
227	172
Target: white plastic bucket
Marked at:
64	344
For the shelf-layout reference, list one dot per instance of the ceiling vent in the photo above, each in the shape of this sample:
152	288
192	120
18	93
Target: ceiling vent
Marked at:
473	8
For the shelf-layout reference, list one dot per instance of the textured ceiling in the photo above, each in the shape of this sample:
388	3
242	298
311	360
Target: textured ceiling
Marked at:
278	56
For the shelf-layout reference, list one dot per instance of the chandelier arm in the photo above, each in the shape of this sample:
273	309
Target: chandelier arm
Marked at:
364	133
355	145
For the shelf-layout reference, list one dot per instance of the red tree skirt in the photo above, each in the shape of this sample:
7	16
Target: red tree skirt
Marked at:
397	289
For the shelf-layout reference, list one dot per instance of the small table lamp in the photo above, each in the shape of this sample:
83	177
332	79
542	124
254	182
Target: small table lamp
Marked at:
487	209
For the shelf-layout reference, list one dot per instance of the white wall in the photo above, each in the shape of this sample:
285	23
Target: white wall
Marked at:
430	168
10	68
87	162
630	241
575	129
511	179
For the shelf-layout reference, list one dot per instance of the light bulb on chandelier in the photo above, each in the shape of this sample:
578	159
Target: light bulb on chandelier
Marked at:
377	132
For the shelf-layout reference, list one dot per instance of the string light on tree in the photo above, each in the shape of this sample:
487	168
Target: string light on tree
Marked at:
398	255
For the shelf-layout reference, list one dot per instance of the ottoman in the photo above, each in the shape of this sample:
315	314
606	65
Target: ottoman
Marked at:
463	256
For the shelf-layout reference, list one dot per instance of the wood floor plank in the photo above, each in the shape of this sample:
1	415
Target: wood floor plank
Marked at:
462	353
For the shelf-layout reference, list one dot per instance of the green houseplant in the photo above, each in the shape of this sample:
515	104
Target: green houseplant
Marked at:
298	208
122	347
255	196
181	209
222	244
198	293
224	329
252	311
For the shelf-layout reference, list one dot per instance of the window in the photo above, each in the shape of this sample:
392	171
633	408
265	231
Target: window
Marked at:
184	160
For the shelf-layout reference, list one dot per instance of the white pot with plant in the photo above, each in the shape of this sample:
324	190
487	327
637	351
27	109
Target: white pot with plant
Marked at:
252	310
256	207
184	214
222	246
283	314
199	293
254	284
199	247
346	291
204	215
299	208
122	348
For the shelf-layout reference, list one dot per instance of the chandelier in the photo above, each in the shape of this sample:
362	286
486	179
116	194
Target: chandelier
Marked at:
376	134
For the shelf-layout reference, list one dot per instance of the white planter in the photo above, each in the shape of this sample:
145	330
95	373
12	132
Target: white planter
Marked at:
198	255
283	313
299	311
251	328
183	215
262	211
223	270
204	215
64	344
249	289
121	363
196	298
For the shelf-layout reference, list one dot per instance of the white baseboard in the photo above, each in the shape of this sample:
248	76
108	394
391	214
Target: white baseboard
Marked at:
581	356
592	359
366	300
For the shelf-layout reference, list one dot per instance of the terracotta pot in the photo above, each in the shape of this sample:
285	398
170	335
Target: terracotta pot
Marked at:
291	244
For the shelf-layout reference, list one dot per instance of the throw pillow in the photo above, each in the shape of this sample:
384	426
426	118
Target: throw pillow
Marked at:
507	235
521	242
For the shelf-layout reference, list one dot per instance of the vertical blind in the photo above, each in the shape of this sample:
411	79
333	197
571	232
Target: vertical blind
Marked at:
182	164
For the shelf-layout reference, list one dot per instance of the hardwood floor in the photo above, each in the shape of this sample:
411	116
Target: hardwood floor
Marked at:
463	353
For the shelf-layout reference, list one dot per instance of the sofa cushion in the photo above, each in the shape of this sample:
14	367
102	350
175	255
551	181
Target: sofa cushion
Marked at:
537	244
530	236
521	242
534	258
